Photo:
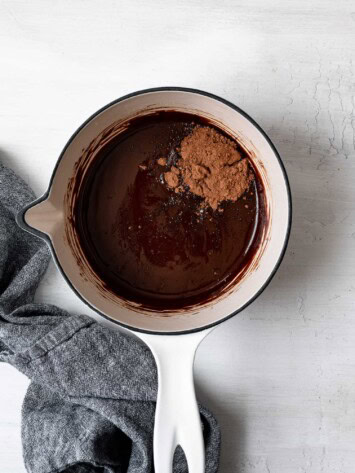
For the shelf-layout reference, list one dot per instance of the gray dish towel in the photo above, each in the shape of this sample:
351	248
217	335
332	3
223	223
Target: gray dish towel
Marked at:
90	405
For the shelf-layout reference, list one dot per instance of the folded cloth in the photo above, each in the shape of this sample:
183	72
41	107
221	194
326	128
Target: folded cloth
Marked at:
90	405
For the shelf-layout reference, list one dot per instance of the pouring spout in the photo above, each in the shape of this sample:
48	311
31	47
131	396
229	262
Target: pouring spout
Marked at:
40	218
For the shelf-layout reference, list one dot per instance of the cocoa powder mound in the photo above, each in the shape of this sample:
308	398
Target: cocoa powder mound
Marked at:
211	166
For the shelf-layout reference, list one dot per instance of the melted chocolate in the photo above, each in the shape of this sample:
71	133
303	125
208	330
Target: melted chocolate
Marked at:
149	244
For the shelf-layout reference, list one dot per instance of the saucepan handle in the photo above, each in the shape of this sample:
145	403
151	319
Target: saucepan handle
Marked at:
177	417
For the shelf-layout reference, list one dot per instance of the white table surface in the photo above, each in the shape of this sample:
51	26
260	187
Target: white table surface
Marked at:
280	377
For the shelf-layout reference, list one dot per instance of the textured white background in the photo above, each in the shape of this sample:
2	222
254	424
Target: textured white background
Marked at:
280	376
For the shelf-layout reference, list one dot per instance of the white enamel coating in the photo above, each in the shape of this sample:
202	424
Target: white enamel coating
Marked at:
177	417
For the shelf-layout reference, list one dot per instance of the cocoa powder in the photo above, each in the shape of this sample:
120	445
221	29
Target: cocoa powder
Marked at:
211	167
171	179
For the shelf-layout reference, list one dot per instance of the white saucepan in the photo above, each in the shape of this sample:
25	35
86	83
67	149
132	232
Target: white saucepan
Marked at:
173	338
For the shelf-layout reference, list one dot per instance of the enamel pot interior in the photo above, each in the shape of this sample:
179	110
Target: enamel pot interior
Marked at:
50	215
